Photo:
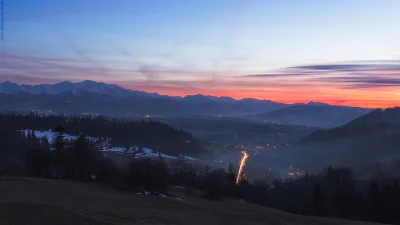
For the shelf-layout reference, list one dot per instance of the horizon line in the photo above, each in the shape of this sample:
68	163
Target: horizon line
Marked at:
183	96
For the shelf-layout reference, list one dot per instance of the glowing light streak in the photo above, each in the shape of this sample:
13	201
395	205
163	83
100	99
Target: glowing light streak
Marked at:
242	163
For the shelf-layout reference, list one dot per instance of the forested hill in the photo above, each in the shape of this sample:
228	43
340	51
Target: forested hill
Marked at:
368	139
378	123
123	133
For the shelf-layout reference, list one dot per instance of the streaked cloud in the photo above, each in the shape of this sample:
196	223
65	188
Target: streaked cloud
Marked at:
274	75
360	66
41	59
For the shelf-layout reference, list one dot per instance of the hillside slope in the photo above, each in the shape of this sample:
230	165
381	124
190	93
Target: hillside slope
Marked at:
36	201
377	123
318	115
365	140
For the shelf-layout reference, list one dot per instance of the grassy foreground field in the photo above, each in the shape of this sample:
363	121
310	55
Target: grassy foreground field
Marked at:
26	201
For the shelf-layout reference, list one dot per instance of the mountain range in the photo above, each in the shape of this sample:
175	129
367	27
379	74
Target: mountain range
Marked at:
96	97
76	89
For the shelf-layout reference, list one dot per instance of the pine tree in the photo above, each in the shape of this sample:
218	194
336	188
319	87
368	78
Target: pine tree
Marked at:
33	134
374	198
317	200
29	135
231	180
207	170
82	158
45	143
23	135
215	184
58	145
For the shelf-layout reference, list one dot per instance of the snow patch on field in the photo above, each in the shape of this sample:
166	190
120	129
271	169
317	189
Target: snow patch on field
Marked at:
49	135
189	158
104	145
158	195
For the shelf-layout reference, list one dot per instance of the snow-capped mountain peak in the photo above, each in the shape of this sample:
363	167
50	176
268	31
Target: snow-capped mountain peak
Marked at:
317	103
8	87
66	87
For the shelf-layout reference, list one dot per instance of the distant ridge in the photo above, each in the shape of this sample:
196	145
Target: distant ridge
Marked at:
111	99
313	114
97	97
368	139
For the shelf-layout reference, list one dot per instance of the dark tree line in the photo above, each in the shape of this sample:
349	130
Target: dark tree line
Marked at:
59	159
13	148
333	193
123	133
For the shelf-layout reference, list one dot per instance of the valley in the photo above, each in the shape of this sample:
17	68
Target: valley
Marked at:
160	150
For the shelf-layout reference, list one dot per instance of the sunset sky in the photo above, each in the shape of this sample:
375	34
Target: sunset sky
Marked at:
344	52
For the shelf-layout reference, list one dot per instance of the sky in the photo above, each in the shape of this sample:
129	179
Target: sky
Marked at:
343	52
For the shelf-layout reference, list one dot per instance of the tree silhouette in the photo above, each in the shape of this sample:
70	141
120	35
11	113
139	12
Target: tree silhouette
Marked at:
215	184
58	145
374	196
317	200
